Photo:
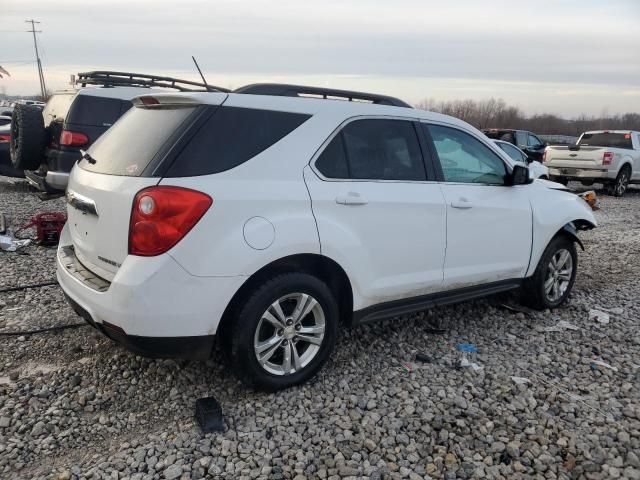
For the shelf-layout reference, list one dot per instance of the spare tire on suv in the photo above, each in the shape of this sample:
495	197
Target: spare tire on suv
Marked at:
27	137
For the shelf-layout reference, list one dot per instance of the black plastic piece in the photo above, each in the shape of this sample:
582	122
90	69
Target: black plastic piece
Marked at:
119	79
3	223
286	90
424	358
209	415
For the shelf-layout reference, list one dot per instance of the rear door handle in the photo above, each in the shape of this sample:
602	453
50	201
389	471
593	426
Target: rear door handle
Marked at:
351	198
462	203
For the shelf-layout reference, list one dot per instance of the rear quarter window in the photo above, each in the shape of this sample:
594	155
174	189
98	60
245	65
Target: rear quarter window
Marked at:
230	137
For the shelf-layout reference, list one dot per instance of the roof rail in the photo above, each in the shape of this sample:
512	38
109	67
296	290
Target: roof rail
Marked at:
122	79
284	90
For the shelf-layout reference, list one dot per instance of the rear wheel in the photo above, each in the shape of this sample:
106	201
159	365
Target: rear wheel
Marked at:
621	183
27	137
285	332
554	277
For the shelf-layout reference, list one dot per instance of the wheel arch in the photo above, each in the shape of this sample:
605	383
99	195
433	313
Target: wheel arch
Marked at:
323	267
570	229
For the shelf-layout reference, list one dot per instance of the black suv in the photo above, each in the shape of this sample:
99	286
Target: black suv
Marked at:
526	141
47	143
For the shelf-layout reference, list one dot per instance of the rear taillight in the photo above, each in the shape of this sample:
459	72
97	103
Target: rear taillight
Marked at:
162	216
73	139
5	138
607	158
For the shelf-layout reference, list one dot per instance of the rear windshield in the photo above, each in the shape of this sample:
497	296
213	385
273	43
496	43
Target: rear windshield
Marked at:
96	111
505	136
606	139
130	145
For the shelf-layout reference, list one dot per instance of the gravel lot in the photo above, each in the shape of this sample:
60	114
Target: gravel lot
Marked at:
75	405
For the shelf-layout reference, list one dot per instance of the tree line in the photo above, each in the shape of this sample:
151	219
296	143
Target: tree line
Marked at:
496	113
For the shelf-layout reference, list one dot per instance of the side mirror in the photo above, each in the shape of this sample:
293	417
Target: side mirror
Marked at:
519	175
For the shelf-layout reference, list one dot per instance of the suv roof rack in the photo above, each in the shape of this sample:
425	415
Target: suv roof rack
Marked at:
284	90
126	79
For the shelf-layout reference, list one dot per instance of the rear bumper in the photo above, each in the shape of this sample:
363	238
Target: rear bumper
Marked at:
188	348
152	305
581	173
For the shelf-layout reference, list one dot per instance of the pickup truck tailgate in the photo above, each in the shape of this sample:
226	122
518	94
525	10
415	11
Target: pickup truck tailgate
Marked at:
585	157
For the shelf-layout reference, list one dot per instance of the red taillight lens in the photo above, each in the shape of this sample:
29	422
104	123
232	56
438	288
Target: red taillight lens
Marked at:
73	139
162	216
5	138
607	158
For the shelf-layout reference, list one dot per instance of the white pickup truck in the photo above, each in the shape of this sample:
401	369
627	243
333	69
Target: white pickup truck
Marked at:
610	157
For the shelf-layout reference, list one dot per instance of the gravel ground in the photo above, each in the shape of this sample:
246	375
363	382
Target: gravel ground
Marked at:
75	405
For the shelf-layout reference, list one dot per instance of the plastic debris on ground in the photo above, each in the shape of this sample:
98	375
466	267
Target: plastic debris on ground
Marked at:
10	244
209	415
424	358
520	380
600	363
561	326
468	353
599	316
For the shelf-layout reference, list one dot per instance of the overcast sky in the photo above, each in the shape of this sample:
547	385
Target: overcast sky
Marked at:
564	56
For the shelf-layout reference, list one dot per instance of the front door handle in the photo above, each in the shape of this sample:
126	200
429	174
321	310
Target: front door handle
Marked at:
462	203
351	198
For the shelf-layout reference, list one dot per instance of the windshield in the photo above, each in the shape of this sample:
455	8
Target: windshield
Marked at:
606	139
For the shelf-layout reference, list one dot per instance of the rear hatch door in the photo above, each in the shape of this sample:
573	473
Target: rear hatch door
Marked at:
102	186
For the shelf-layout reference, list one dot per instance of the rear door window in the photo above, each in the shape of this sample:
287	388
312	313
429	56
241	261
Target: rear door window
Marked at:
96	111
607	139
230	137
512	151
521	139
129	146
332	162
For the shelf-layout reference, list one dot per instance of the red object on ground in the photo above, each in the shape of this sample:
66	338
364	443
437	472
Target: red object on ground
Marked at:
48	227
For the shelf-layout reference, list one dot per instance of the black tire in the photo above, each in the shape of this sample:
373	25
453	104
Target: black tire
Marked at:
242	334
27	137
534	293
586	183
619	186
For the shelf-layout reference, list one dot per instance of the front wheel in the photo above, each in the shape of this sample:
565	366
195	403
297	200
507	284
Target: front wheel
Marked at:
554	277
285	332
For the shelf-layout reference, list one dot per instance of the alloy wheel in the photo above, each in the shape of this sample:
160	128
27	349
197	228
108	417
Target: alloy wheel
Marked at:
289	334
559	273
621	183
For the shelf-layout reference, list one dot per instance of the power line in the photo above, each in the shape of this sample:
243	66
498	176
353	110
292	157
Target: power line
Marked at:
43	87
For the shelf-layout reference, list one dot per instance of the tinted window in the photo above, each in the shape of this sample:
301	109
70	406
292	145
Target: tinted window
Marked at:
95	111
383	150
521	139
130	145
332	163
534	141
605	139
465	159
230	137
5	121
512	151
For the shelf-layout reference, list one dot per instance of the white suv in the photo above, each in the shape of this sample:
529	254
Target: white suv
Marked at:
267	220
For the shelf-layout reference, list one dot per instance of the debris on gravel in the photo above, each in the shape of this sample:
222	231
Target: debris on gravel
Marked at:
74	405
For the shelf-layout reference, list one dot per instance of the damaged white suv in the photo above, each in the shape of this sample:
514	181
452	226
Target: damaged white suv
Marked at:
266	220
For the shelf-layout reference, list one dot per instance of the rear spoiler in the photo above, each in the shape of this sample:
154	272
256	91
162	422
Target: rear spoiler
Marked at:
171	99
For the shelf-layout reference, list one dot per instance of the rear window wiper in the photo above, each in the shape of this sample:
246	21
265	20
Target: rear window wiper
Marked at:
87	157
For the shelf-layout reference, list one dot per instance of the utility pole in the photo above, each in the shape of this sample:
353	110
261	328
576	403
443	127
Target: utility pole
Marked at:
43	87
